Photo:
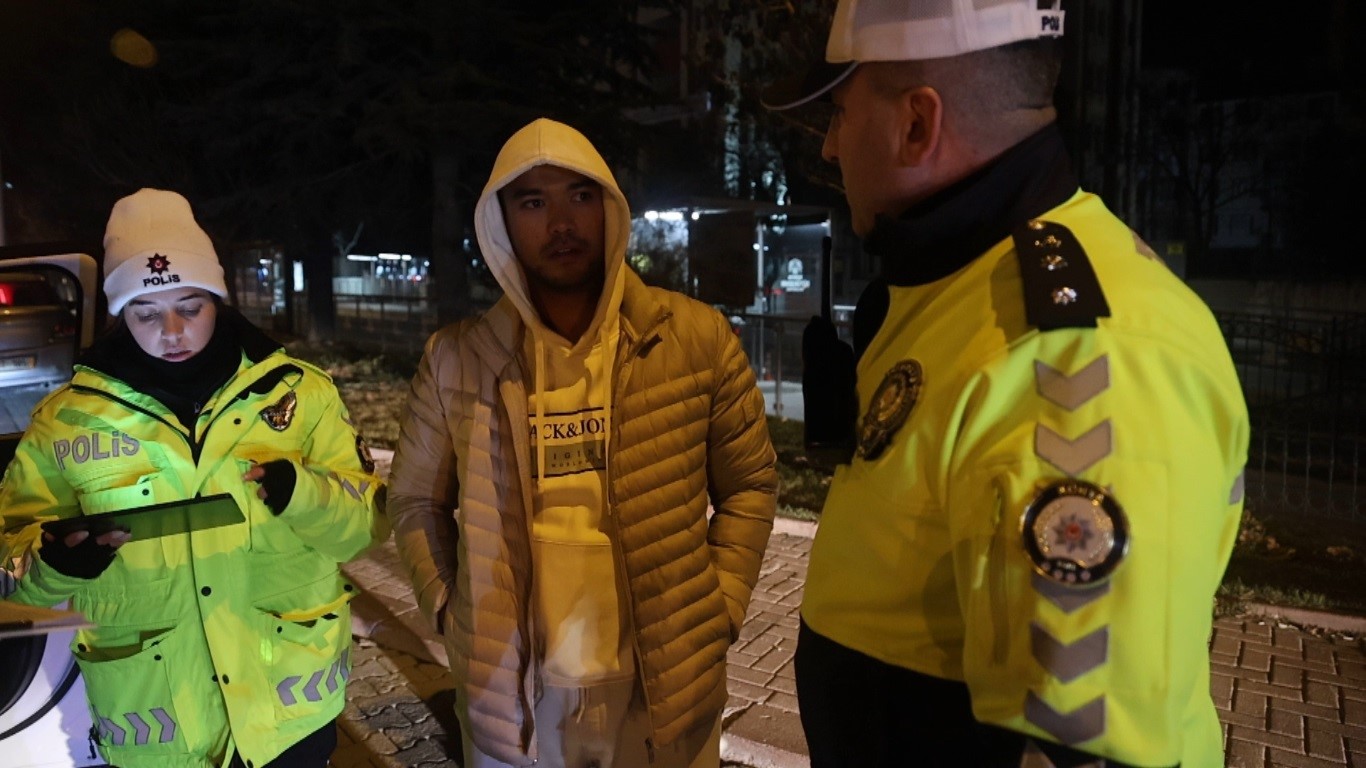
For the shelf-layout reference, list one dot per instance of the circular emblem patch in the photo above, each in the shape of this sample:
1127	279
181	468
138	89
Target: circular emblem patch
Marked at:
1075	533
892	403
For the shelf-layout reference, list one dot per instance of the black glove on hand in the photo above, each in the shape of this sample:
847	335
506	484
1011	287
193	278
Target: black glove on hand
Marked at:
85	560
828	390
278	482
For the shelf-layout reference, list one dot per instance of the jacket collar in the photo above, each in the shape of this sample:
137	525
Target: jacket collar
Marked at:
497	335
942	234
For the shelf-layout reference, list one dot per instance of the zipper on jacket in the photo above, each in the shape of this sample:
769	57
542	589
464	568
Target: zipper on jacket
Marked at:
278	374
196	445
618	549
179	430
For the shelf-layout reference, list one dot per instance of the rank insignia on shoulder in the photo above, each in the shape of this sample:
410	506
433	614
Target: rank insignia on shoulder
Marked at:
892	403
1060	286
280	415
1075	533
367	461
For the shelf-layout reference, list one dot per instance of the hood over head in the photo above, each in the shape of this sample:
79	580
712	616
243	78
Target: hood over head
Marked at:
547	142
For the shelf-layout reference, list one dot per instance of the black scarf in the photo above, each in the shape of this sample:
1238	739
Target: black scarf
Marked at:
183	387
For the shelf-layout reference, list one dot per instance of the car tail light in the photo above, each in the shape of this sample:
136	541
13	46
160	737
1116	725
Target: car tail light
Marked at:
6	294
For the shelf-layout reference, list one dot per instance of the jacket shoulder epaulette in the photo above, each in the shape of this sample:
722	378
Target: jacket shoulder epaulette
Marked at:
1060	286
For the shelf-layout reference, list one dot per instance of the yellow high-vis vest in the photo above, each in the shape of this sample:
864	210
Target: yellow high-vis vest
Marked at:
1041	509
234	637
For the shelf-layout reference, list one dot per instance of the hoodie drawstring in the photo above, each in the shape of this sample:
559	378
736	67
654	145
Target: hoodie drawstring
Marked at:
539	348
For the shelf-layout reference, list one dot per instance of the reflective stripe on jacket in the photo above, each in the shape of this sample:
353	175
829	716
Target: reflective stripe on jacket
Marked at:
230	636
921	558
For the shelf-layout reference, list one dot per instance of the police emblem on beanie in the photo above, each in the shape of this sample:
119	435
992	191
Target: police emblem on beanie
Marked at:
152	243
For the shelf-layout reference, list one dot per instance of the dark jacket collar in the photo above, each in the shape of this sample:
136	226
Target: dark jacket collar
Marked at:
114	353
942	234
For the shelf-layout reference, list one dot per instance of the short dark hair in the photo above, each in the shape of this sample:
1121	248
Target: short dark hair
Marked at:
981	87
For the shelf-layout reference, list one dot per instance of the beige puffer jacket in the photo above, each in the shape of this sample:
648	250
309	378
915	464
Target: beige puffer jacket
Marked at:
688	429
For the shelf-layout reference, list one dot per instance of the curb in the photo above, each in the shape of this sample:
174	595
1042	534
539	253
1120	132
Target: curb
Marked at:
755	754
794	527
1306	617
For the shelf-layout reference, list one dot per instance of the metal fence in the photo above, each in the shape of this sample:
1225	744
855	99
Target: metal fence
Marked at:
1304	377
1303	374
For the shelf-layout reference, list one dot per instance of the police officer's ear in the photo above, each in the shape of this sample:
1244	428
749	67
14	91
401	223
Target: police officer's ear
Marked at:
921	113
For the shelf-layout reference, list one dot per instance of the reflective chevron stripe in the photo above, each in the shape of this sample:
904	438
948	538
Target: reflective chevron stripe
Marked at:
1073	456
117	736
311	687
346	485
1071	392
285	692
1068	598
113	733
1034	757
1082	724
311	690
141	730
168	727
349	488
1239	488
1068	661
332	676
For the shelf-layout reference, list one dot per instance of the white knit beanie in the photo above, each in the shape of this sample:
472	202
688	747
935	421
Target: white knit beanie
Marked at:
153	243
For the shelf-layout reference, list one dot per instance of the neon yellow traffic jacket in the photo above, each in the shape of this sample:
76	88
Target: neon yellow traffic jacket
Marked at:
232	637
923	555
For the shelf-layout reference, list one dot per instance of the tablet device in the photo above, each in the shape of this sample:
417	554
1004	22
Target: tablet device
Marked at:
172	517
18	620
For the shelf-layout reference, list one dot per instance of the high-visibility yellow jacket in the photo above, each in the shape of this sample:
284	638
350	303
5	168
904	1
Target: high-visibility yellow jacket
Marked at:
234	637
921	560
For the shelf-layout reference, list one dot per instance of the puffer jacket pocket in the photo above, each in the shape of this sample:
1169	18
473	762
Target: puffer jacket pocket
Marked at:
307	644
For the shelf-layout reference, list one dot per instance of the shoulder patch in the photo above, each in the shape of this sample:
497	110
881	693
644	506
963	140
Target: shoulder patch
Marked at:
1060	287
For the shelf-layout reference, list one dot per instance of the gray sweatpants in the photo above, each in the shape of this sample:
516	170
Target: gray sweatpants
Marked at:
604	726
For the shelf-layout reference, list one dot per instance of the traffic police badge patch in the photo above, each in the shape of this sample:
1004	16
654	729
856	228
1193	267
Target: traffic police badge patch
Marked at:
1075	533
279	416
892	403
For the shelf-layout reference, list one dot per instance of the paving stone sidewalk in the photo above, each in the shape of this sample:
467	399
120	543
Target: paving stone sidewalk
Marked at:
1289	695
399	700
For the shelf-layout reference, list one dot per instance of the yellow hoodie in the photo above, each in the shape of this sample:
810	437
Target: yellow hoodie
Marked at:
580	629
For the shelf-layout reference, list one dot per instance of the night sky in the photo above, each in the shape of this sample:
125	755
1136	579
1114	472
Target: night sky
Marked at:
1258	47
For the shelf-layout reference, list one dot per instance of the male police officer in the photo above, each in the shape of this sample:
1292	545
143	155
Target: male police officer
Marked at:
1017	565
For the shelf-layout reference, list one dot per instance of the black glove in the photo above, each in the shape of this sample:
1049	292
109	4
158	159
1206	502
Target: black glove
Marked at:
85	560
278	482
828	391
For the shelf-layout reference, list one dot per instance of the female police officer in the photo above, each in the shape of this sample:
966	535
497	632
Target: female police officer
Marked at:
220	646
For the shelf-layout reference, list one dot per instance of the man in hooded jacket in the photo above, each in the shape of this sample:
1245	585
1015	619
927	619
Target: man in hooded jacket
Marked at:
551	485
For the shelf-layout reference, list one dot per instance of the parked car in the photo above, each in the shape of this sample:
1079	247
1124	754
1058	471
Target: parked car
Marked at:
37	330
48	305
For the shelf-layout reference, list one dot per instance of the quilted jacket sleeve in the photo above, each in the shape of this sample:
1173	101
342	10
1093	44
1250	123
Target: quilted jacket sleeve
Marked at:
335	506
742	477
423	483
